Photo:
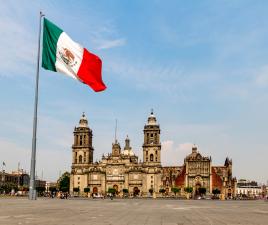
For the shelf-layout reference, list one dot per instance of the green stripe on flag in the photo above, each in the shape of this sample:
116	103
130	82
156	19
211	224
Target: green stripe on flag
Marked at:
51	35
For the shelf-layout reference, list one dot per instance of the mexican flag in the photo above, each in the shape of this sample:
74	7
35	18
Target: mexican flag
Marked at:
62	54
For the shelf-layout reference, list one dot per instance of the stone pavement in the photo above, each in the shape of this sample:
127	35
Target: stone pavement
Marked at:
21	211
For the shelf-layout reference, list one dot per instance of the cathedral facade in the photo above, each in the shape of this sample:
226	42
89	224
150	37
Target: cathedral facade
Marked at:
121	169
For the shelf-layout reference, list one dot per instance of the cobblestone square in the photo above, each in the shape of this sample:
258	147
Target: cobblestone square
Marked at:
131	212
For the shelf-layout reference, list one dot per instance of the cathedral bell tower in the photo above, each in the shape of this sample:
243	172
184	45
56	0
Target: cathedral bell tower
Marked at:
82	147
152	146
116	149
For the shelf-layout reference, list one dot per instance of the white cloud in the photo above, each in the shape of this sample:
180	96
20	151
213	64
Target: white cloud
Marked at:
147	74
171	79
18	42
167	145
107	44
173	155
185	147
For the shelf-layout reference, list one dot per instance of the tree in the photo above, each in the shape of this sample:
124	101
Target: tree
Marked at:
162	191
76	189
125	190
64	182
52	189
216	191
86	189
40	190
202	190
112	191
175	190
8	187
188	189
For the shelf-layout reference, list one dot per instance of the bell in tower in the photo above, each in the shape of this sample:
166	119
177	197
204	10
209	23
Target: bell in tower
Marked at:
152	145
82	147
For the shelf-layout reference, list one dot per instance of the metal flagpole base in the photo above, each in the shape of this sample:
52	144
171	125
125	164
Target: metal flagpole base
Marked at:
32	194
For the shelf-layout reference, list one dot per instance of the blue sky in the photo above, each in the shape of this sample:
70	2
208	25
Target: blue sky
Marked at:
201	65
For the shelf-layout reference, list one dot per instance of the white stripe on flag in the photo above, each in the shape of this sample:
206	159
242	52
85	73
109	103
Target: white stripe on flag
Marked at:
69	56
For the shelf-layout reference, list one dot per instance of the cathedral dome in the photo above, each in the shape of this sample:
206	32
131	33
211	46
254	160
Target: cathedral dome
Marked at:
83	121
194	153
152	119
128	152
127	149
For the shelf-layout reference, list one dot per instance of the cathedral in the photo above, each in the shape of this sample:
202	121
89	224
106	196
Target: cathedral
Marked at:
122	171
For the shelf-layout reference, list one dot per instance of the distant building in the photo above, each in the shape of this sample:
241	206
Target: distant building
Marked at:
19	178
198	171
50	184
40	183
121	169
264	190
248	188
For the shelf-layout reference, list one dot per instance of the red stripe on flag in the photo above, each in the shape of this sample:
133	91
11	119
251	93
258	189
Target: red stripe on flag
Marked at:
90	71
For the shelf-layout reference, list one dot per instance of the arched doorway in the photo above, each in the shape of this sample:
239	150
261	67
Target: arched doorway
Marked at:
95	190
229	193
136	191
116	188
167	191
197	186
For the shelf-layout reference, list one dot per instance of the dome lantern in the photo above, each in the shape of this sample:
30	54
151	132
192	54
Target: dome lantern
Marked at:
83	121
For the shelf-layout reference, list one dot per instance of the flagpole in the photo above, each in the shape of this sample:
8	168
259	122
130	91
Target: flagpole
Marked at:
32	191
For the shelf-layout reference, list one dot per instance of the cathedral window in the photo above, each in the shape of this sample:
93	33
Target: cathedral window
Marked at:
84	157
81	137
152	135
84	139
80	159
151	157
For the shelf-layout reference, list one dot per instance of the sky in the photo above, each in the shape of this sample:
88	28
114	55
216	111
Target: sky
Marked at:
202	66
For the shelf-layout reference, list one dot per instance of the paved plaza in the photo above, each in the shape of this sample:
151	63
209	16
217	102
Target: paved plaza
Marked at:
21	211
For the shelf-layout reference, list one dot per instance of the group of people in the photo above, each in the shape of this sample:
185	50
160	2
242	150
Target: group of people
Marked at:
59	194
